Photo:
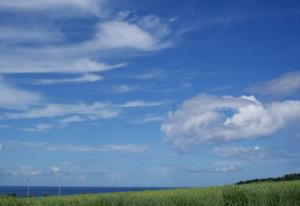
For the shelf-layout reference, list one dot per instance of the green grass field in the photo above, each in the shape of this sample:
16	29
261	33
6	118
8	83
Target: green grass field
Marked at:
262	194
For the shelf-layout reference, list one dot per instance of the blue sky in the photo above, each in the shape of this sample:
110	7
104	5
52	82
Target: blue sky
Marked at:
148	93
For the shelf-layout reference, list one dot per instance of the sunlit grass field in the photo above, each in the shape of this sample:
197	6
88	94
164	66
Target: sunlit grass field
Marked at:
261	194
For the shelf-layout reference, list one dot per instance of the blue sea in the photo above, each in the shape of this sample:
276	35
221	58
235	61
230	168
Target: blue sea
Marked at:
41	191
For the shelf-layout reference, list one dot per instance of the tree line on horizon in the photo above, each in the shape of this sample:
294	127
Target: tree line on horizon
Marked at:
293	176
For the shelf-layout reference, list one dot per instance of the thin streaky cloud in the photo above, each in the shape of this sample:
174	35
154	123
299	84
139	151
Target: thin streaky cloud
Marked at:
38	128
284	85
49	147
82	79
16	98
140	103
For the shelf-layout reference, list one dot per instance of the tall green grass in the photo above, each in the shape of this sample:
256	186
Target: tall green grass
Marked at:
260	194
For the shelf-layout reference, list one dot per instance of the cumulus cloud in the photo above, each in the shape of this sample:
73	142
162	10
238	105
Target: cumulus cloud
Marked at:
284	85
48	147
13	97
227	118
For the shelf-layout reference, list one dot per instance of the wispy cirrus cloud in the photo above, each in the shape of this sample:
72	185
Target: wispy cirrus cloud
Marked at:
49	147
16	98
284	85
93	7
148	119
155	73
11	35
219	167
141	103
83	78
112	33
71	119
97	110
124	88
239	152
38	128
24	172
122	34
27	64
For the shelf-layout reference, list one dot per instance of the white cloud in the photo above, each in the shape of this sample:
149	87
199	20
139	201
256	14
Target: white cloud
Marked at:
97	110
238	151
24	172
225	168
148	119
3	126
71	119
81	79
27	64
38	128
55	169
210	118
1	147
139	103
222	167
124	88
48	147
78	57
10	34
86	6
15	98
149	75
122	34
151	119
281	86
155	25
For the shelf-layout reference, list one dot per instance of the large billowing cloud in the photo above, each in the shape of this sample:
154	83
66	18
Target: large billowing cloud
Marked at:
211	118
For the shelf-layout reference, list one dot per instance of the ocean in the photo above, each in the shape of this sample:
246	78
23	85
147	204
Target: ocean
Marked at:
42	191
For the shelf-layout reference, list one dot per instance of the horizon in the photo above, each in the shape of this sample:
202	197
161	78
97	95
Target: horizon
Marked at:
99	186
152	94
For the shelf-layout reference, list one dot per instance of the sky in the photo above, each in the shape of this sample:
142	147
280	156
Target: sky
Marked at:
148	93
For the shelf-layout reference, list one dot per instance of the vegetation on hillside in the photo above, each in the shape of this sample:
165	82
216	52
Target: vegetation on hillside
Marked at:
294	176
260	194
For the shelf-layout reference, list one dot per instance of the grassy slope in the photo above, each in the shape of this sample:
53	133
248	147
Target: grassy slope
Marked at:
262	194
